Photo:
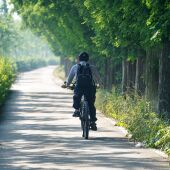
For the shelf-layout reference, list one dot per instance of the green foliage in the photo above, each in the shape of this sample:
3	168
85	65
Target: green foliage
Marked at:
8	68
58	21
7	76
163	139
7	35
18	42
137	116
30	63
105	29
28	44
101	27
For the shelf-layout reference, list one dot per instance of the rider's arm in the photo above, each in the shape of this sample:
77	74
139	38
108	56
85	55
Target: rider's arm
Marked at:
96	76
71	75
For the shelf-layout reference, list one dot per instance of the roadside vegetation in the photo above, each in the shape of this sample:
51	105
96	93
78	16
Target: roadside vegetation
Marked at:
137	116
20	50
7	77
9	68
30	63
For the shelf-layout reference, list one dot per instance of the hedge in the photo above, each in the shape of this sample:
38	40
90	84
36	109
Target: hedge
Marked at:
7	76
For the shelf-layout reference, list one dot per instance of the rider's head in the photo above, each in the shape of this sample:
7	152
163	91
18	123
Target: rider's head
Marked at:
83	56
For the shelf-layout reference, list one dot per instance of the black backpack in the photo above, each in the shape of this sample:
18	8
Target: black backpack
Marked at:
84	76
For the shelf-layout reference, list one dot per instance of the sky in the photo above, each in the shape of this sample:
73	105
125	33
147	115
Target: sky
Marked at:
10	7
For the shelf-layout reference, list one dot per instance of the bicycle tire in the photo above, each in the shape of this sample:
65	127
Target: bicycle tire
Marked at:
82	127
86	129
86	121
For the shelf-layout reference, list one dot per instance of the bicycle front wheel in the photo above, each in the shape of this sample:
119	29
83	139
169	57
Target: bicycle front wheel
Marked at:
85	120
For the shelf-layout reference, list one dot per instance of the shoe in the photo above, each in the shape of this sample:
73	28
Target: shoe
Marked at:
76	113
93	126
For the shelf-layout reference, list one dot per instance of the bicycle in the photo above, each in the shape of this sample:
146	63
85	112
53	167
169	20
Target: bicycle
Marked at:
84	113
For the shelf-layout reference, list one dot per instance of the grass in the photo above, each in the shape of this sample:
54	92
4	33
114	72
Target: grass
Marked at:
137	116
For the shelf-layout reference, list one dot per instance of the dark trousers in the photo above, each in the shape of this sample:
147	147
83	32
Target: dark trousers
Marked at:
90	95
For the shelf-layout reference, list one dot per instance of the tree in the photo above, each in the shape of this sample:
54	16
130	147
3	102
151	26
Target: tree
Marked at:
134	33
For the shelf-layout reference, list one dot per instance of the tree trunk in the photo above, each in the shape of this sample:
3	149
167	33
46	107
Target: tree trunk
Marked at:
124	76
139	79
105	75
108	73
117	74
164	81
67	66
61	61
152	77
131	71
113	73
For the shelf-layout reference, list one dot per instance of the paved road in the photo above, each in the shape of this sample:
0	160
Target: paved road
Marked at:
37	132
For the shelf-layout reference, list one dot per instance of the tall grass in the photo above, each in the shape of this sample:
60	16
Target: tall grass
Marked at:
135	113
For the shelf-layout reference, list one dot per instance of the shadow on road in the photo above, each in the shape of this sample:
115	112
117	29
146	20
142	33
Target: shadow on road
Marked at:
35	133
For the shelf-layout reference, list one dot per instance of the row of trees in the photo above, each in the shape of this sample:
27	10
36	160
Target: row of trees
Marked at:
17	41
128	40
6	31
19	50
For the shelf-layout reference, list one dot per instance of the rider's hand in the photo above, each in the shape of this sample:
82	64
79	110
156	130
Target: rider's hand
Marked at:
97	86
64	85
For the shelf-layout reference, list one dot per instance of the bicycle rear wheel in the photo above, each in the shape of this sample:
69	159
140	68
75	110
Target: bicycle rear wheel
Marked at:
85	121
86	129
82	127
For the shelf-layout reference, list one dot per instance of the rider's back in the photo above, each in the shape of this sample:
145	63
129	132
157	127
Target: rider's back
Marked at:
84	78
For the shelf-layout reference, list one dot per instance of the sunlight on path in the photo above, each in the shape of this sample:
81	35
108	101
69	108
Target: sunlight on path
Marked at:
37	132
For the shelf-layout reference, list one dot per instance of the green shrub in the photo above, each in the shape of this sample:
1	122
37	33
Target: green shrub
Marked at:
29	63
7	76
53	61
163	139
136	114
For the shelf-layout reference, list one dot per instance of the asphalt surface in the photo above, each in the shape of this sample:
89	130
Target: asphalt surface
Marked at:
38	132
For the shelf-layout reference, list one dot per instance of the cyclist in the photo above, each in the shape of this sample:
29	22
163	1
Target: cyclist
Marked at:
89	91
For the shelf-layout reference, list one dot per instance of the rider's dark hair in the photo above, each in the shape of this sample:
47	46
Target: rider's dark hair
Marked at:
83	56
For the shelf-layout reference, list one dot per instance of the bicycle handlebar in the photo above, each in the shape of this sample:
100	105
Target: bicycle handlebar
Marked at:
72	86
